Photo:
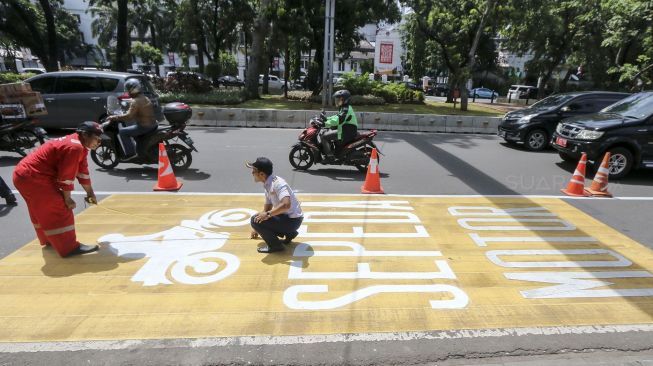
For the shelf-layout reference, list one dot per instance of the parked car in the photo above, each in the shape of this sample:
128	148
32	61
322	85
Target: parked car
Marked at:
534	126
522	92
483	93
274	82
439	89
625	129
33	70
72	97
227	80
412	86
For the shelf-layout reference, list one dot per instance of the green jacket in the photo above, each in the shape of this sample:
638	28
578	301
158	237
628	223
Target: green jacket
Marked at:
345	116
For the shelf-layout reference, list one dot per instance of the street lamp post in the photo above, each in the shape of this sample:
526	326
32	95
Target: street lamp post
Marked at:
327	73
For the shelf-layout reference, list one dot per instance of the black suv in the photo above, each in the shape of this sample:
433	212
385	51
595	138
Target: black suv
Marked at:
534	125
625	129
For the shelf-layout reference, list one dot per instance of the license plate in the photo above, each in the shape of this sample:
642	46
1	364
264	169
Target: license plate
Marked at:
188	140
561	142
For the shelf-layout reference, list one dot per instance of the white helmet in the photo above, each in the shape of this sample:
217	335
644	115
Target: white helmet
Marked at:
133	86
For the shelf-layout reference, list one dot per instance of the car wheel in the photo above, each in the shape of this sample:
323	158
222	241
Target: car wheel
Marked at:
566	157
536	140
621	162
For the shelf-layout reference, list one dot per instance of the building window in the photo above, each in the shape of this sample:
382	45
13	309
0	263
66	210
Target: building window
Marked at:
341	65
354	66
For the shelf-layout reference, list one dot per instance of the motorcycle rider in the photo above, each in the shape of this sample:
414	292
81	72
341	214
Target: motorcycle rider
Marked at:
341	128
141	111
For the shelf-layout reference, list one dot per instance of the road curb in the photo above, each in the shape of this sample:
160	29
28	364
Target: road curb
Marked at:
273	118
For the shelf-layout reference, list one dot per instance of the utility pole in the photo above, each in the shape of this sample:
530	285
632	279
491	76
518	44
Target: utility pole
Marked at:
329	38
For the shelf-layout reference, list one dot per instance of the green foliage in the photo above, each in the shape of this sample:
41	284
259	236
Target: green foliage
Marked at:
366	100
391	93
304	96
11	77
150	55
215	97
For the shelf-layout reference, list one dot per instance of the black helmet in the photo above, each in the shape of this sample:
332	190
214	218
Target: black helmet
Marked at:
90	127
344	94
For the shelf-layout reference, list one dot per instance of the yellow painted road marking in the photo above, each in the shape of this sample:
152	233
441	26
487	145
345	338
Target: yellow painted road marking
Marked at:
375	264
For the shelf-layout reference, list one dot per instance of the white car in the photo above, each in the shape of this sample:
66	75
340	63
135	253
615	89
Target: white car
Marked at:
274	82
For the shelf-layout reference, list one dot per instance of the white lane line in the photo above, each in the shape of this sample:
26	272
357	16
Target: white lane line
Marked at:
107	193
20	347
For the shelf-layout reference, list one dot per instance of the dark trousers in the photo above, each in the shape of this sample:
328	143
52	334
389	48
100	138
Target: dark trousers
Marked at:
274	227
4	189
327	138
127	134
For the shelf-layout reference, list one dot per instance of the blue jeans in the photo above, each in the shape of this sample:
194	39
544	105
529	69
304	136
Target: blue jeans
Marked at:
4	189
127	134
276	226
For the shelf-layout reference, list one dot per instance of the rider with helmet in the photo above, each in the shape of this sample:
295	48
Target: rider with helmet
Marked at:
342	127
141	111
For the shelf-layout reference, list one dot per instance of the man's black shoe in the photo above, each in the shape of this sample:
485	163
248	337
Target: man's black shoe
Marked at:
267	249
84	249
11	200
290	237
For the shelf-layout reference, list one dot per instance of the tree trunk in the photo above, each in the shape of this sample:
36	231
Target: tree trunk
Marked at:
200	39
154	44
471	57
258	50
286	68
53	52
122	44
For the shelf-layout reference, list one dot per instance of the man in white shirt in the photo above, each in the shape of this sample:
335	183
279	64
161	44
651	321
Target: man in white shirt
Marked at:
282	213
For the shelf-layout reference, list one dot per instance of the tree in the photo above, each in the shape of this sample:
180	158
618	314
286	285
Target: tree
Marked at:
40	28
150	55
260	28
456	28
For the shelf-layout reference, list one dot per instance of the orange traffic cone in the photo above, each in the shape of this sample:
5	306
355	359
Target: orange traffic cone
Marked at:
372	180
576	185
167	180
599	187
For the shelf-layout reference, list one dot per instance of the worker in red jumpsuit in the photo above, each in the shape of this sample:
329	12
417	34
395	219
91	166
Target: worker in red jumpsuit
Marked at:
45	180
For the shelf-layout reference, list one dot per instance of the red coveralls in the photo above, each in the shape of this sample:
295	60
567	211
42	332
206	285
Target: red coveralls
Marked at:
40	177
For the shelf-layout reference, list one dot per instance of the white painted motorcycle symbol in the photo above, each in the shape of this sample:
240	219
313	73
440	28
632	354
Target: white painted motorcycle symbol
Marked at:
189	245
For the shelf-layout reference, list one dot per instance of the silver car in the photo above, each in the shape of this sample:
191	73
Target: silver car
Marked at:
72	97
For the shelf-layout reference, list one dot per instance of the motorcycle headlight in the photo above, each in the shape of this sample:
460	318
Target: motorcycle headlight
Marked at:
526	119
589	135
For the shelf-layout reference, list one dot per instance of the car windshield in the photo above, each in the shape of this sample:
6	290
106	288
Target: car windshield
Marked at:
639	105
552	101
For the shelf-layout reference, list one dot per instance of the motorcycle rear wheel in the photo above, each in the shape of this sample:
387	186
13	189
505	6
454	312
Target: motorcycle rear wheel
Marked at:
301	157
105	157
180	156
367	152
26	142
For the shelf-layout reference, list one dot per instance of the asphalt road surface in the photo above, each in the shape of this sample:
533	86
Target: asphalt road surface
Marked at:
428	170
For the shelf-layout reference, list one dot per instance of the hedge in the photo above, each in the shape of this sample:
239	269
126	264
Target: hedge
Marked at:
216	97
11	77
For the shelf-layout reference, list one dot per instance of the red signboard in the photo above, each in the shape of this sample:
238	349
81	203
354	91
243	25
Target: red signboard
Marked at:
385	56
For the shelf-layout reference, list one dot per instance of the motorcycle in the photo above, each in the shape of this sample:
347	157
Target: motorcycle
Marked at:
21	136
308	150
110	153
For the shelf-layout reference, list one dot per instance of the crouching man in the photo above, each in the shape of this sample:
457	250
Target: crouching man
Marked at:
282	213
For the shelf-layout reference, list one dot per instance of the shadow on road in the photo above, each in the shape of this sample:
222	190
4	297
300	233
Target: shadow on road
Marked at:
9	160
148	173
340	175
